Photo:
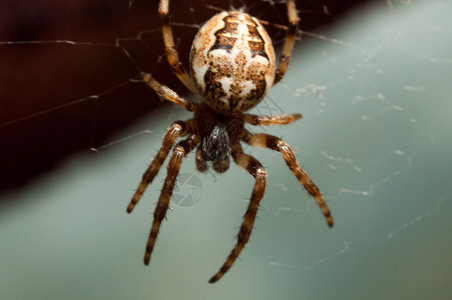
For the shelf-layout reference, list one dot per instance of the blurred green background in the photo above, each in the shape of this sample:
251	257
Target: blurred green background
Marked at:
375	136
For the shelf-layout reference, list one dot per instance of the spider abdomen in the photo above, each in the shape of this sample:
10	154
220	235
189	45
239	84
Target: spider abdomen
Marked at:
232	62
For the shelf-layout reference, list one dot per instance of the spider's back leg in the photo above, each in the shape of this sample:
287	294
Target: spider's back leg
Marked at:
289	42
171	52
167	93
270	120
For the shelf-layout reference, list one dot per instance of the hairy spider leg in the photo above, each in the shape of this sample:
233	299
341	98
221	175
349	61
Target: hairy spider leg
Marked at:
272	120
171	52
275	143
254	167
289	42
168	94
177	129
179	152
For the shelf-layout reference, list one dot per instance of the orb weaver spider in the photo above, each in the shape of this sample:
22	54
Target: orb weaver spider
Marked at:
232	68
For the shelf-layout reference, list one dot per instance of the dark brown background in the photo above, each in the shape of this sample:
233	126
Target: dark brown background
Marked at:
45	109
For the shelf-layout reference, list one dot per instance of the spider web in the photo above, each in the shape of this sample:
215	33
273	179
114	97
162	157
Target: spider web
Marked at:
78	127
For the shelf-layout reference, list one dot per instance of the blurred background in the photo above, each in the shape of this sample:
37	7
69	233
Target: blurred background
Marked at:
78	128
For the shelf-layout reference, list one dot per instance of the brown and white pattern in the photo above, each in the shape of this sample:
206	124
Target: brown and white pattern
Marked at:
232	62
232	65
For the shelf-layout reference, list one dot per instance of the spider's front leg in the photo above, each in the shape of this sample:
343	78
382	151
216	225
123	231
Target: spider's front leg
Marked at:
177	129
275	143
179	152
254	167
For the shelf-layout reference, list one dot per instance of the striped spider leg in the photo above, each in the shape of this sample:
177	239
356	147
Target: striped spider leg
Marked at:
176	130
272	142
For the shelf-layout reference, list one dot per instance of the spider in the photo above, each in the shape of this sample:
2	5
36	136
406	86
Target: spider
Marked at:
232	67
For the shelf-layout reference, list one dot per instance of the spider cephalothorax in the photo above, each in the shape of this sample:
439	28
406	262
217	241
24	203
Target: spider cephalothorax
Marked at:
217	133
232	66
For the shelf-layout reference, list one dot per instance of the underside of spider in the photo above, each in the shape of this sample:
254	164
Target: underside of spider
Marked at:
232	67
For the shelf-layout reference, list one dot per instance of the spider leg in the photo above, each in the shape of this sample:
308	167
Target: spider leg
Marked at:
177	129
275	143
253	167
167	93
273	120
284	59
171	52
179	152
